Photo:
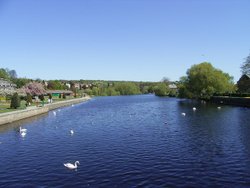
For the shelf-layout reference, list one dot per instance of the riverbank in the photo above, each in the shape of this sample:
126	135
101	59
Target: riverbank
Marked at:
235	101
9	117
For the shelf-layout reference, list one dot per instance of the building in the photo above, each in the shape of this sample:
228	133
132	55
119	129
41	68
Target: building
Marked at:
57	93
244	84
6	87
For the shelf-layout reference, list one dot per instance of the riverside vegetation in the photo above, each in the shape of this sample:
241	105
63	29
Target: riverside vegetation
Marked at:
202	81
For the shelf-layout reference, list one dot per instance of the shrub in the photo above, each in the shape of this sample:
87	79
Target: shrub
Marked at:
15	101
29	98
41	97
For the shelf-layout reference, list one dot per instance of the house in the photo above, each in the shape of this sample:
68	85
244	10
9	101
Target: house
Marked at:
57	93
172	86
6	87
244	84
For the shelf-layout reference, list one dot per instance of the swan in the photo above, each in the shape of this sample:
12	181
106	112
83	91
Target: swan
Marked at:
194	109
219	107
71	166
183	113
71	131
23	134
22	130
54	113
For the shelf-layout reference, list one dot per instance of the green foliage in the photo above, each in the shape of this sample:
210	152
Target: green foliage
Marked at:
41	97
29	98
4	74
161	89
127	88
20	82
50	96
245	68
203	80
15	101
56	85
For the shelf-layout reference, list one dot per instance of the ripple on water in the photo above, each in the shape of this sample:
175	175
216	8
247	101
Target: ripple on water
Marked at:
132	141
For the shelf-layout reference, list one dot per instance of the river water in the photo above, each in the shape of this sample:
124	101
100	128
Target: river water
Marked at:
129	141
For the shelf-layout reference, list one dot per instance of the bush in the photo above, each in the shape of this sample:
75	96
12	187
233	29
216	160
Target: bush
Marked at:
50	96
29	98
15	101
41	97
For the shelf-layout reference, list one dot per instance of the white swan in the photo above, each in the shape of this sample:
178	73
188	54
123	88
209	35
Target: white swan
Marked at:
183	113
54	113
71	166
23	134
219	107
71	132
22	130
194	109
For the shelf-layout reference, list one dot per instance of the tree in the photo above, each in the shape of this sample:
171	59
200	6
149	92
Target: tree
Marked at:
245	67
203	80
4	74
34	88
29	99
161	89
165	80
56	85
41	97
127	88
15	101
12	73
20	82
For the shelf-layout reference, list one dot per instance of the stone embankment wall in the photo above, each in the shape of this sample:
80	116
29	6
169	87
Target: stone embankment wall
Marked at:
33	111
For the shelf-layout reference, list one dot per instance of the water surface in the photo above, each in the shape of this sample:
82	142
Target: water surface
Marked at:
129	141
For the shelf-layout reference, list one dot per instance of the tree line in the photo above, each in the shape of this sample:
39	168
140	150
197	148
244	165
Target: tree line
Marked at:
202	81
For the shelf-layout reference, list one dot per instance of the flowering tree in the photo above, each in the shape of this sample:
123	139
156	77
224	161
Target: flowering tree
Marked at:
5	92
34	88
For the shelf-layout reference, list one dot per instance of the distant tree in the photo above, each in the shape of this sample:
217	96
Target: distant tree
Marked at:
203	80
56	85
95	91
165	80
127	88
245	68
20	82
12	73
161	89
15	101
4	74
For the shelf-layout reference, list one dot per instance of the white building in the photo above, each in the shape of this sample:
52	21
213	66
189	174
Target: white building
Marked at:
6	87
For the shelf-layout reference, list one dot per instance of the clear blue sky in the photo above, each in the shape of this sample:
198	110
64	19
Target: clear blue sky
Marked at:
141	40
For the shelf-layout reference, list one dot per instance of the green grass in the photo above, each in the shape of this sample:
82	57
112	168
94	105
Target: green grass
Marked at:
5	105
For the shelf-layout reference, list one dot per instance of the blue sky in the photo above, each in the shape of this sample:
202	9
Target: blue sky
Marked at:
140	40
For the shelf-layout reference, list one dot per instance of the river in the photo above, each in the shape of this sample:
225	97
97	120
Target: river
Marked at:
129	141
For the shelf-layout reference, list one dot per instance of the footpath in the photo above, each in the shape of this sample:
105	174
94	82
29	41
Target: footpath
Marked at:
31	111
